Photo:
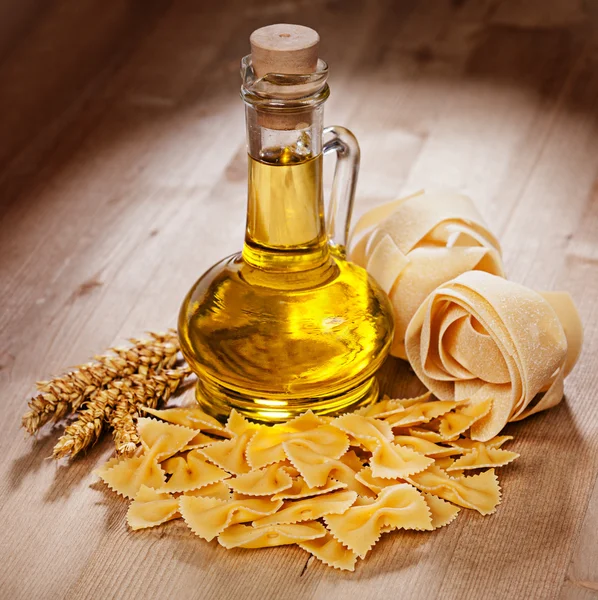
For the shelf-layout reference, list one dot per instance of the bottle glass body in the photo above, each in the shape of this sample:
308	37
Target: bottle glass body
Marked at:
287	324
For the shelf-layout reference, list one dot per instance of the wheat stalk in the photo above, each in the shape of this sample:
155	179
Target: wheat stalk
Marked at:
138	392
116	406
67	393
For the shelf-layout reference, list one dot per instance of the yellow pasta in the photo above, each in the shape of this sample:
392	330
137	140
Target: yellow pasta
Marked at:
482	457
151	508
386	407
331	552
482	337
425	447
465	444
479	492
316	469
208	517
111	462
237	424
310	509
399	506
380	409
364	429
263	482
417	243
455	423
128	475
391	460
163	439
300	489
212	490
266	446
422	412
375	484
191	417
427	434
442	512
230	454
388	460
199	440
244	536
270	486
190	473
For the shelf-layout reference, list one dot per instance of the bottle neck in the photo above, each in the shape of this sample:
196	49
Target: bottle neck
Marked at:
285	209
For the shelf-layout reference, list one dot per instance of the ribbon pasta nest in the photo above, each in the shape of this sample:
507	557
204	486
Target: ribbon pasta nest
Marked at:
333	486
468	332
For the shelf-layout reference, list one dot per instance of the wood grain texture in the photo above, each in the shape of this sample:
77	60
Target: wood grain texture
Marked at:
122	178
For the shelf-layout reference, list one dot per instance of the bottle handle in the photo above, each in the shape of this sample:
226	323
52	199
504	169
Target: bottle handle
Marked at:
344	143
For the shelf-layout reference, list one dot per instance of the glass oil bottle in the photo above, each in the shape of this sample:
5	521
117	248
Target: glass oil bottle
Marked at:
288	324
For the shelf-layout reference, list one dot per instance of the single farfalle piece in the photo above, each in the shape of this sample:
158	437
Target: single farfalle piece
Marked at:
190	472
245	536
426	447
310	509
482	456
162	439
456	422
397	507
208	517
263	482
237	424
151	508
413	245
331	552
300	489
420	413
230	454
478	492
481	337
218	490
128	475
191	417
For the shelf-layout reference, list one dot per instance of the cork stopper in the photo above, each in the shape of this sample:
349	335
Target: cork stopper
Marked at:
288	50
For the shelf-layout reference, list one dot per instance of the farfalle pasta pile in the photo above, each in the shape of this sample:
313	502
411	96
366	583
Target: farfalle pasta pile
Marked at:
332	486
468	332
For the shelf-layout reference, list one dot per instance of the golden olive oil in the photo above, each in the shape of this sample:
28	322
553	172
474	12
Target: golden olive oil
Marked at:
287	325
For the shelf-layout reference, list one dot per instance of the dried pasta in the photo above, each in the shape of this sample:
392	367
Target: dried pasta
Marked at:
467	342
163	439
151	508
194	418
310	509
479	492
218	490
190	472
243	536
128	475
208	517
263	482
417	243
397	506
331	552
335	486
467	331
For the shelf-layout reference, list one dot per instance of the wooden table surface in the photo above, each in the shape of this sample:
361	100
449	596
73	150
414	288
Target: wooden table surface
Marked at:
122	178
